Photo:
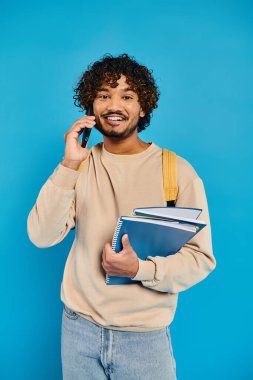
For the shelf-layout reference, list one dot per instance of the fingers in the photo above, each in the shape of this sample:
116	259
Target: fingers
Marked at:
107	252
79	125
86	121
74	131
108	257
89	120
125	242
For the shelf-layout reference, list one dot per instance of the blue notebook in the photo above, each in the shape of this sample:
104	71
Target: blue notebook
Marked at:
156	231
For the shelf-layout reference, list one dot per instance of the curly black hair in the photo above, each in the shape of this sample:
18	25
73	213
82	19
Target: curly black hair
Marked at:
108	70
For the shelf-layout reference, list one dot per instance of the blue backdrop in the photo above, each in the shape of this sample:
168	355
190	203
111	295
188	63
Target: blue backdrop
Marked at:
201	54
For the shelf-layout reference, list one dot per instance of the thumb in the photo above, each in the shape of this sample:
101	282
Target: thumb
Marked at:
125	242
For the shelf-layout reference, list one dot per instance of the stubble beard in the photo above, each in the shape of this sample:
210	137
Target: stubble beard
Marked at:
114	133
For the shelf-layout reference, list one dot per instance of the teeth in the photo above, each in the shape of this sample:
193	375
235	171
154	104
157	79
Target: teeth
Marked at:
114	118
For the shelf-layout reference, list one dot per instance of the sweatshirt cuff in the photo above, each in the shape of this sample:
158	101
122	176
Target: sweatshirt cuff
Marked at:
146	271
64	177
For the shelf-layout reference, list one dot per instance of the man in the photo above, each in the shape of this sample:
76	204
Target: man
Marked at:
119	331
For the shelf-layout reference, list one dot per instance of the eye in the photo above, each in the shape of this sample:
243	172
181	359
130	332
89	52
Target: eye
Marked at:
127	97
103	96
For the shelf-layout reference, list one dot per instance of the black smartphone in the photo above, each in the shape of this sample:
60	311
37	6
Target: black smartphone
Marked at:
86	131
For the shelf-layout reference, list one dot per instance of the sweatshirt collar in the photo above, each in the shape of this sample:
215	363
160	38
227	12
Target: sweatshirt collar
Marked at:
126	157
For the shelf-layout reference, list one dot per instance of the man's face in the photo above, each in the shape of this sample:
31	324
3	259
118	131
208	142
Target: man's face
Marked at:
117	110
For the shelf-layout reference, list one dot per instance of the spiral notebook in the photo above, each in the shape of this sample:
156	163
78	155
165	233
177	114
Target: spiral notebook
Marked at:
155	231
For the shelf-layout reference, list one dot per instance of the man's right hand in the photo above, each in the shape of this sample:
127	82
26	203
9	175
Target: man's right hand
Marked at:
74	153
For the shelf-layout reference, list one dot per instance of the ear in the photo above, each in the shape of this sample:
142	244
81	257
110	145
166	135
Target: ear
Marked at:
142	113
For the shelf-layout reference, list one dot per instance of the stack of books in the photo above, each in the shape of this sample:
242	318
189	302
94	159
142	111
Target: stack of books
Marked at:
155	231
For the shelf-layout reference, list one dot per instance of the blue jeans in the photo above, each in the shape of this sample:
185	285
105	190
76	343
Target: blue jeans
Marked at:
91	352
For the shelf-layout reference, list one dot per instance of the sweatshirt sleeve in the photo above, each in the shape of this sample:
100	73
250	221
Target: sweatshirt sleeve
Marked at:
53	214
193	262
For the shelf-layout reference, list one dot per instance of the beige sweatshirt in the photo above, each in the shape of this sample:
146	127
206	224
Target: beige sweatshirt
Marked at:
111	185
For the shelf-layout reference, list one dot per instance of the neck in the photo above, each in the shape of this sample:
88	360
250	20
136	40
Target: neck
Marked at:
133	144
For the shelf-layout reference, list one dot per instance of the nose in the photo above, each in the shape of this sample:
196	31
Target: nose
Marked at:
114	104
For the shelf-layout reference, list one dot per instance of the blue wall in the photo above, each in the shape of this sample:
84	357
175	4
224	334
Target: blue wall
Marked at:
201	54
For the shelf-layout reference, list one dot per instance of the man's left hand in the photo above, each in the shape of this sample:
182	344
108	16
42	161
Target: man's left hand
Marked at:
122	264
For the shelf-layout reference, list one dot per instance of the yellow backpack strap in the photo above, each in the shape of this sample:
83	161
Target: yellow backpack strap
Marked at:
170	185
84	161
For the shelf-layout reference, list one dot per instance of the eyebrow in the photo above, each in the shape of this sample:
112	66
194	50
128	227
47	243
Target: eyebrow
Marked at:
123	89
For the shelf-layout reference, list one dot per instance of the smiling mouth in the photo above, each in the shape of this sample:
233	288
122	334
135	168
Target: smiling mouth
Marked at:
114	120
